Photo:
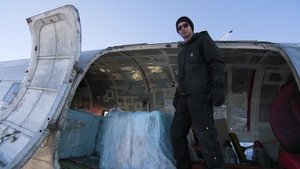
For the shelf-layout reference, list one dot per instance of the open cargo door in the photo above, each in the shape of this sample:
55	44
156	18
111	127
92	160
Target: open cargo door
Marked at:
56	45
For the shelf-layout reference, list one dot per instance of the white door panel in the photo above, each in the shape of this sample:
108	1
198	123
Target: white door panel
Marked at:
56	45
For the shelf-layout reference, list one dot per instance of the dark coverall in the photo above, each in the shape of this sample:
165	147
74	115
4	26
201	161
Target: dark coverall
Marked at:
200	87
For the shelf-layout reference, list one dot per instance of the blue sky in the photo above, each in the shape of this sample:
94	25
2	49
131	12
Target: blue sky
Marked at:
119	22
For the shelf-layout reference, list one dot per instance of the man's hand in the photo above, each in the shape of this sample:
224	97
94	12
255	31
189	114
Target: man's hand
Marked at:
217	96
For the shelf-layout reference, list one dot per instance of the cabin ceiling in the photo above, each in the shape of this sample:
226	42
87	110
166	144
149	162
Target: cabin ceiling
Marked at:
149	69
155	60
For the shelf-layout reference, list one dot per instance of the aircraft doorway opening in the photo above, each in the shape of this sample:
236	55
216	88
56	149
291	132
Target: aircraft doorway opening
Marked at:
144	80
116	82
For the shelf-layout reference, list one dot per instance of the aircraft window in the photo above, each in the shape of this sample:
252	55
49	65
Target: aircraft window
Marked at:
275	77
249	149
14	89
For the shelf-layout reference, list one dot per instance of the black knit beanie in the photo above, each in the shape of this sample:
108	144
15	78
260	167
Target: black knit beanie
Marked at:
184	19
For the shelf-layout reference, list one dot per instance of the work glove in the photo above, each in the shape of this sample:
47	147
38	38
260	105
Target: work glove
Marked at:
176	97
217	96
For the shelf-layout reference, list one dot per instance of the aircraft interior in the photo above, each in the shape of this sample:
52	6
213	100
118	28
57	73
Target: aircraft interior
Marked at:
143	79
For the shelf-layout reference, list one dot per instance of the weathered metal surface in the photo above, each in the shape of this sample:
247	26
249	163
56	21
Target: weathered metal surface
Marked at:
159	67
56	37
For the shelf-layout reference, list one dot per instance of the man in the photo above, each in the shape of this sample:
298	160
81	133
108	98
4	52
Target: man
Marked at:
200	87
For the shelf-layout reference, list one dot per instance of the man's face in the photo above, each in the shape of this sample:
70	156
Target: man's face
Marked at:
184	30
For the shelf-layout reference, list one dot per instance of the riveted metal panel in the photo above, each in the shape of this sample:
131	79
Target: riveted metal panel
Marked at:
56	45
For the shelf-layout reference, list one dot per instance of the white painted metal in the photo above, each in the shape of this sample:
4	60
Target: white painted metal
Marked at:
11	72
56	46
